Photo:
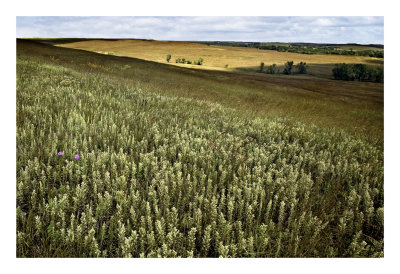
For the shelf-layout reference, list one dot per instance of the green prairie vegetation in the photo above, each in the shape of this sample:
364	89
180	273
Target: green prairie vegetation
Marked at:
185	163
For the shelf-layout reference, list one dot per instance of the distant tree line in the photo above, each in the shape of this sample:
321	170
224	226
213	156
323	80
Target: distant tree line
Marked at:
307	48
301	68
325	50
360	72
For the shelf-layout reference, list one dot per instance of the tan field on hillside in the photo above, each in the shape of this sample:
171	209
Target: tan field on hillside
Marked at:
216	57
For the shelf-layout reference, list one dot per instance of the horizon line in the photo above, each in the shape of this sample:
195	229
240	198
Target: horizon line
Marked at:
151	39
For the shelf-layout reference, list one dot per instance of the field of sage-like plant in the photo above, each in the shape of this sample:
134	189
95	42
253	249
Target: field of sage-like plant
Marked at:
108	168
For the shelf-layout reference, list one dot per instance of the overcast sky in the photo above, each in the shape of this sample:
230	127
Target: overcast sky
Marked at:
344	29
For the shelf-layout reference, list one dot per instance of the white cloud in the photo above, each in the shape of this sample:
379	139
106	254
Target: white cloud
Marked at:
228	28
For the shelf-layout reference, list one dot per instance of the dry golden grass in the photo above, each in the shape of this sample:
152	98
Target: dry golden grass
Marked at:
216	57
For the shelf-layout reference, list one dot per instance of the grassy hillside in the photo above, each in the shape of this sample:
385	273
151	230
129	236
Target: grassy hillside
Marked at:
216	57
353	106
179	162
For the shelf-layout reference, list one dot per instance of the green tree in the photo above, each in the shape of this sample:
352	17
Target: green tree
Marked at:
288	67
262	67
376	75
301	68
168	57
272	69
343	72
360	72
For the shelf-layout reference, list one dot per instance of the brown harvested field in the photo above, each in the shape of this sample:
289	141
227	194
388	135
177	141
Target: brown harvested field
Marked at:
216	57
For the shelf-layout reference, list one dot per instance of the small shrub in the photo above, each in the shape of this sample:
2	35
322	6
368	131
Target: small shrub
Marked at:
200	61
168	57
184	61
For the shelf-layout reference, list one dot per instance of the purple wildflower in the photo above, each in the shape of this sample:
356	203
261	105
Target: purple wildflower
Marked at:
76	156
60	153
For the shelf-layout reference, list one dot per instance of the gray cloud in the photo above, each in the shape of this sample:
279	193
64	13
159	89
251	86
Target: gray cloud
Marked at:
225	28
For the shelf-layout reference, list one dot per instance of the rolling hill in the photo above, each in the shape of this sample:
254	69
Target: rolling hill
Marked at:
123	157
